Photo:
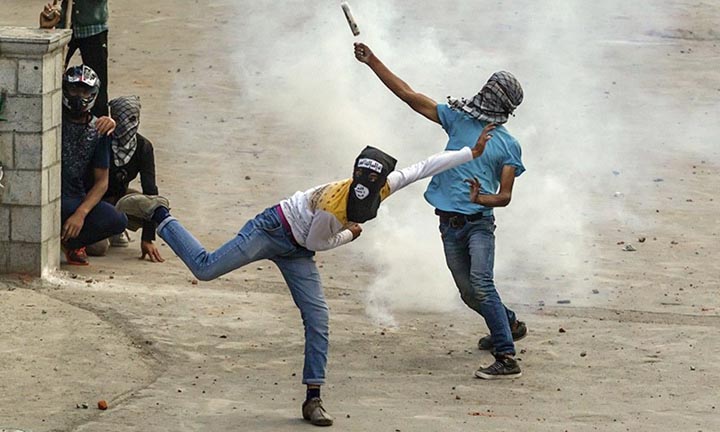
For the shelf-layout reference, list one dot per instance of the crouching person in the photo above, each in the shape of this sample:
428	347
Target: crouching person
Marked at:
85	152
132	155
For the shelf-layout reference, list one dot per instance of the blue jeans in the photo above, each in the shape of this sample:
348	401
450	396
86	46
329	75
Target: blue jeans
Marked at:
264	237
102	222
470	256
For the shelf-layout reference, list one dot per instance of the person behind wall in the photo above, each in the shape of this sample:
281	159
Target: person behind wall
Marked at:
88	20
132	156
85	218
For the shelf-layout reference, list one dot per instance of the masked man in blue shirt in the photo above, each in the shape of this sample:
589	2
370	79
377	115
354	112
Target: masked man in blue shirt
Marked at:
467	225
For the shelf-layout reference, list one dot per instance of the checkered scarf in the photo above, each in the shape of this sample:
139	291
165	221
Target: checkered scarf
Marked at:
126	113
496	100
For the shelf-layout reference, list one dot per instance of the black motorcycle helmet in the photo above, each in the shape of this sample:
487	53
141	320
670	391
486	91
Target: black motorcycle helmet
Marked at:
81	86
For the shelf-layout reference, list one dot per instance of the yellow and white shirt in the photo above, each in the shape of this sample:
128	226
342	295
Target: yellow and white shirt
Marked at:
318	217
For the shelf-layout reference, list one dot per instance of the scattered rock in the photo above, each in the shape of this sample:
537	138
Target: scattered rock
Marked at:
563	302
641	239
583	354
194	281
629	248
692	368
658	180
595	291
102	405
561	330
81	405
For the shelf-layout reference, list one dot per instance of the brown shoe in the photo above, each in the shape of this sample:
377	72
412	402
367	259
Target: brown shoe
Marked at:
314	412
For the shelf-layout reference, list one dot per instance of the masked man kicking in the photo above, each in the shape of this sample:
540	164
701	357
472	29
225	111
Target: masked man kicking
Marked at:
290	233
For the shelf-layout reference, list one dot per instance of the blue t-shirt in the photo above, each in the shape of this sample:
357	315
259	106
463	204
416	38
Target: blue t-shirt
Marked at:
83	149
447	191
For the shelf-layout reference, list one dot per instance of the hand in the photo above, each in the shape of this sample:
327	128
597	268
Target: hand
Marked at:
73	226
362	52
485	136
475	188
152	252
105	125
50	16
355	229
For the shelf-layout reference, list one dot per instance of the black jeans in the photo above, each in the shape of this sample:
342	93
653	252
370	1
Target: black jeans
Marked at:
94	53
102	222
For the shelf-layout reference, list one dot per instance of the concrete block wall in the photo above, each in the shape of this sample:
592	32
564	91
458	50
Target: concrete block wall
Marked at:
31	66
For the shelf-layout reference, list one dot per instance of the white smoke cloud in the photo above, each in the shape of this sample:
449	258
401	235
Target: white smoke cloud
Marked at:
569	126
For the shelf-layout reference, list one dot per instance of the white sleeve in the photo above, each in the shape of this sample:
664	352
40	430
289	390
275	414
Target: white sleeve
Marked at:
326	232
435	164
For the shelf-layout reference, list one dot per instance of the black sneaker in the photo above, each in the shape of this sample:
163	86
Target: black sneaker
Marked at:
503	368
520	331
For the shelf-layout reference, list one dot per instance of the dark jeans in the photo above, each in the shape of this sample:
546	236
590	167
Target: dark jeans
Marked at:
470	255
94	52
102	222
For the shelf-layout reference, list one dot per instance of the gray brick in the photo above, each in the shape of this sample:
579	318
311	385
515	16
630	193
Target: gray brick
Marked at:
50	255
49	72
30	76
24	114
53	173
4	222
56	107
50	220
26	224
28	151
59	69
4	256
6	150
35	150
23	187
25	258
8	75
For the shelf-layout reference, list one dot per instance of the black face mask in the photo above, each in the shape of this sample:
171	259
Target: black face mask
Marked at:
369	176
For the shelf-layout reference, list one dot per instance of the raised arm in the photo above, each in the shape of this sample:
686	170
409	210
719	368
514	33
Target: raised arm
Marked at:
439	162
419	102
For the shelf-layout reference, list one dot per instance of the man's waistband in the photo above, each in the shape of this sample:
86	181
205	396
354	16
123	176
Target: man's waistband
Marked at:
458	220
284	222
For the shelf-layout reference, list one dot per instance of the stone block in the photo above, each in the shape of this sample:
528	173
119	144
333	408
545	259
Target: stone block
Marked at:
59	69
56	101
26	42
30	76
50	220
54	179
26	223
50	255
25	258
28	151
8	75
23	114
23	188
4	256
6	150
34	151
4	222
49	72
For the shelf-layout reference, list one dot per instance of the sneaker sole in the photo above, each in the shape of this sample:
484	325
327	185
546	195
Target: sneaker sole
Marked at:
481	375
134	205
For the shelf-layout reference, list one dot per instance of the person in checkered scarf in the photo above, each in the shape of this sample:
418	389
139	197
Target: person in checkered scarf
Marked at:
132	156
467	223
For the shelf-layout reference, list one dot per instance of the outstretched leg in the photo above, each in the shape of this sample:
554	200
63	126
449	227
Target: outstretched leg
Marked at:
262	237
